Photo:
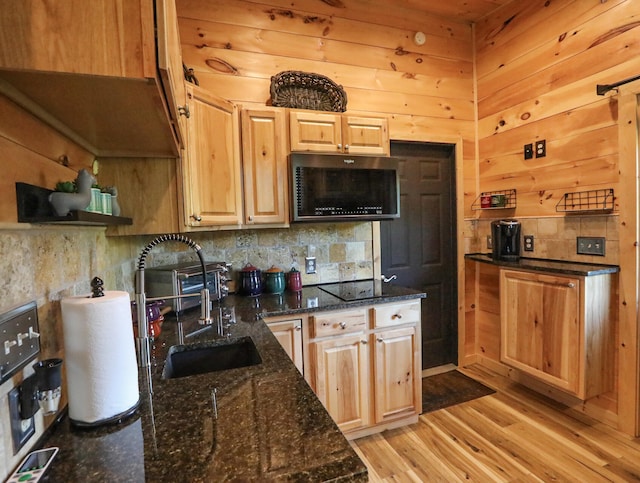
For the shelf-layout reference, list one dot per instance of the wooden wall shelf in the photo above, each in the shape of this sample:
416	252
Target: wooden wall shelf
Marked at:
34	207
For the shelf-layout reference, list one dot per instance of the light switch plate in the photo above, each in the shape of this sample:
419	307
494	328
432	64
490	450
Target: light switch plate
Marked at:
591	245
19	339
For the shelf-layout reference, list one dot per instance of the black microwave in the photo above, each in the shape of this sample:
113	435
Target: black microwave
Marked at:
331	187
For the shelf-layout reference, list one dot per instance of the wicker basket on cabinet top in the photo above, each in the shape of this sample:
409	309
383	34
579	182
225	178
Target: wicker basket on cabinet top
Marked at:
303	90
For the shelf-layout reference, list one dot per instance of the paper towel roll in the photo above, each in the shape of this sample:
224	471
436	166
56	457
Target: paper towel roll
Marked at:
100	357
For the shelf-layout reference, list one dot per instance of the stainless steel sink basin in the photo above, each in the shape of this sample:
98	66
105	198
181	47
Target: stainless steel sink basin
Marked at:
191	359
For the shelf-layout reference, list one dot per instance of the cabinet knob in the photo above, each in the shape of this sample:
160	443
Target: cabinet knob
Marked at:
339	146
380	339
343	325
196	217
396	316
571	285
250	217
363	342
298	327
184	111
346	147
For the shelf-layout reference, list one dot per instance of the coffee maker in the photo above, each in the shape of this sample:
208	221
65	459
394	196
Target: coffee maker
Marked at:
506	240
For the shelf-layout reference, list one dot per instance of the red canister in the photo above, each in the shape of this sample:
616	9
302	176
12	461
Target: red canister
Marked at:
294	280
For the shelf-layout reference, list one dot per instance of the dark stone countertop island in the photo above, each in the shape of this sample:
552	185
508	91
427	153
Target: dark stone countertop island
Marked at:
267	424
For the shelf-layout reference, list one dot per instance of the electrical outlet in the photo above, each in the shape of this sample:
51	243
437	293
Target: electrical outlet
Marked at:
528	151
489	242
21	429
590	245
528	243
541	149
310	264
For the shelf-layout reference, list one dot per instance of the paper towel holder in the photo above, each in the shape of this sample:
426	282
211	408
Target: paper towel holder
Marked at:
42	390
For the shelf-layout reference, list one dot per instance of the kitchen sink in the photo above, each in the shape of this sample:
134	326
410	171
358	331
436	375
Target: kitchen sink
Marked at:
191	359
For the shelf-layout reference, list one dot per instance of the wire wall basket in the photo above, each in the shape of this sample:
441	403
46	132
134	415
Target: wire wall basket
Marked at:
595	201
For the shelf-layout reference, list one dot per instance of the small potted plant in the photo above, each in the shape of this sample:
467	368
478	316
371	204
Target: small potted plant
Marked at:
72	195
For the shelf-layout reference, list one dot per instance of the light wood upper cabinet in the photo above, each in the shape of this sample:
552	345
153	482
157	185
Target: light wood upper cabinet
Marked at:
211	172
365	135
559	329
338	133
264	163
90	70
170	66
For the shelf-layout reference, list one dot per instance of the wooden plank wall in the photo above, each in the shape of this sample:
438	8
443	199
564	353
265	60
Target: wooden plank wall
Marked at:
235	48
538	64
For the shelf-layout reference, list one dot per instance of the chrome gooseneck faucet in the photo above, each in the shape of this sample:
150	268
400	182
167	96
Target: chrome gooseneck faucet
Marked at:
142	341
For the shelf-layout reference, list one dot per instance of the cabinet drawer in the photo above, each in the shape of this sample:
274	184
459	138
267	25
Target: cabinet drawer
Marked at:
336	323
395	314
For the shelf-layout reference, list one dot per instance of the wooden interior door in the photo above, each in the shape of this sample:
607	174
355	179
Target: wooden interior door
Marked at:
420	247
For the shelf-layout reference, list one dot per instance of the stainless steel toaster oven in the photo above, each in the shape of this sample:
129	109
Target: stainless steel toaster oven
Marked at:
186	279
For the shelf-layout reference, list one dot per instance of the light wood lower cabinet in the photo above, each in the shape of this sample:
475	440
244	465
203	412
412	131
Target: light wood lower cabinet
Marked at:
364	364
559	329
395	365
340	368
289	334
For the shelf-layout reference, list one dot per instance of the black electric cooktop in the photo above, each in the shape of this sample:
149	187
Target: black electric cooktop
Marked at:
357	290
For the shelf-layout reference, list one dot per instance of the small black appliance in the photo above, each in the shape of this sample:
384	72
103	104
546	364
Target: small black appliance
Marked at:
506	240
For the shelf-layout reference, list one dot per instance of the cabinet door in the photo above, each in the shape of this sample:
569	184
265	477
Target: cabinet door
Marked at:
366	135
315	131
212	185
341	368
540	326
397	371
289	334
170	65
264	163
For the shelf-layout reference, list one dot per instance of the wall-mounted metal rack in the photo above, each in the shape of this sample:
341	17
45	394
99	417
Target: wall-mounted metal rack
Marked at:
505	199
592	201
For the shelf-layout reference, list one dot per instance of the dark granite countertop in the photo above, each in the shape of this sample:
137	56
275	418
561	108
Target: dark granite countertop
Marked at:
269	425
544	265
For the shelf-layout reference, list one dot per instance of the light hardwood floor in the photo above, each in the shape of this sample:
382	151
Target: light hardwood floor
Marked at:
514	435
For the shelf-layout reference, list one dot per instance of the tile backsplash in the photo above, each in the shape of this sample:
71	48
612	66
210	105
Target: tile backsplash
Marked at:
554	237
48	263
